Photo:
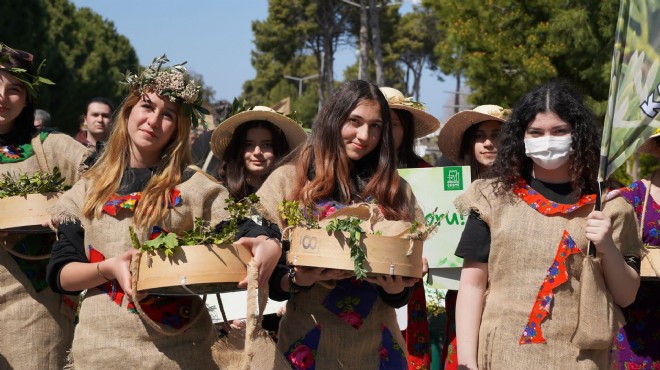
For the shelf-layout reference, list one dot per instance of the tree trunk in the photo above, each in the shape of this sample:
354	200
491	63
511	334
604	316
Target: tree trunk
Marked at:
377	47
457	96
417	78
363	63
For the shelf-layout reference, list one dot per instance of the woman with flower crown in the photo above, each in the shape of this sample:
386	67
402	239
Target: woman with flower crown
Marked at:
142	180
526	282
332	320
37	324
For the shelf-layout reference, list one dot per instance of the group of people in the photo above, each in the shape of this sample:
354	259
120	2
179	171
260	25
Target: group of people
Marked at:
530	220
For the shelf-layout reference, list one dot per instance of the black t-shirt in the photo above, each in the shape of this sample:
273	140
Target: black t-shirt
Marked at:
475	240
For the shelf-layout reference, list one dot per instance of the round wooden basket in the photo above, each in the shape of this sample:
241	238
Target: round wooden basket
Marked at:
385	255
192	269
26	212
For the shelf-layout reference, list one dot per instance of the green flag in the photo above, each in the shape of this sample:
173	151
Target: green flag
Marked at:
633	108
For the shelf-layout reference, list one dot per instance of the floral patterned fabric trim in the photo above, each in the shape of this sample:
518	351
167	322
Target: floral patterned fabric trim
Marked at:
351	300
390	352
18	153
544	206
302	353
130	201
417	332
556	276
171	311
35	270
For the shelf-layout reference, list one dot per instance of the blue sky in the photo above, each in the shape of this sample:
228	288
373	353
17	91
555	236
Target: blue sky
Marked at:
215	37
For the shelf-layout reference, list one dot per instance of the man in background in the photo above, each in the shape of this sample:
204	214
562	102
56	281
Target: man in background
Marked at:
96	121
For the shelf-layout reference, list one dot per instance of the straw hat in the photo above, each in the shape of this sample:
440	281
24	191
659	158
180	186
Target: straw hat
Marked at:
451	135
222	135
424	123
649	146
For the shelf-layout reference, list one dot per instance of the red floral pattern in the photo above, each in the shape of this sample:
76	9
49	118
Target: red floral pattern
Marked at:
129	201
302	353
556	276
543	205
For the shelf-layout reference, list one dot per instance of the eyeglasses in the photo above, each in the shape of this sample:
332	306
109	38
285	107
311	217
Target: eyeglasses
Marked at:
18	53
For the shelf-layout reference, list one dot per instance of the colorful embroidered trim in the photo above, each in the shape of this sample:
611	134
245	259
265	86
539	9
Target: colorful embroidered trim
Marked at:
302	353
390	352
18	153
351	300
130	201
417	332
556	276
545	206
171	311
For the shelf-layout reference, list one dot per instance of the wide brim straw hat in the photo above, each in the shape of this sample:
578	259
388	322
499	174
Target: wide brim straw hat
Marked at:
222	135
450	139
649	146
423	122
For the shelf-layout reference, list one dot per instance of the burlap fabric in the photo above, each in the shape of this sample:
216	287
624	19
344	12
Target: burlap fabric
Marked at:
108	335
523	246
37	327
341	346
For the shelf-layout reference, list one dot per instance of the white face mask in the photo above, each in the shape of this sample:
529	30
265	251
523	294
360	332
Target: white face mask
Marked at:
549	152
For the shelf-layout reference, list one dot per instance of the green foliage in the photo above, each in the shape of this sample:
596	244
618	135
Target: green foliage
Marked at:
351	226
84	54
202	233
435	302
36	183
293	215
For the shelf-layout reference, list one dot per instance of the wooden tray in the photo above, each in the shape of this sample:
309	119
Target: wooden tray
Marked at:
385	255
202	269
26	212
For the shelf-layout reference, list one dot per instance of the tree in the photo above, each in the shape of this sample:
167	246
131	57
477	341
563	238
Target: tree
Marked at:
505	48
85	56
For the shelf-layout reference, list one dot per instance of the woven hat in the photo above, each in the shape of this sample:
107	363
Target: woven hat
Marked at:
649	146
451	135
424	123
222	135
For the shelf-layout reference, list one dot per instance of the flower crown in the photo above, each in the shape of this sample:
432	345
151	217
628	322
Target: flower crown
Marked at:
173	83
31	82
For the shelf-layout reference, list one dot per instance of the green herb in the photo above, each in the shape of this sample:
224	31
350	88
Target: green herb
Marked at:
429	226
36	183
293	215
202	233
351	225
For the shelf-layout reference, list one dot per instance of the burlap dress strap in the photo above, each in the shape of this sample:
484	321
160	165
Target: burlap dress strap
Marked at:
38	148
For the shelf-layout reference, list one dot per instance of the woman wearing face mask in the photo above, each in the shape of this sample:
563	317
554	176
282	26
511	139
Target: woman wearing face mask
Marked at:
37	324
142	180
529	227
348	158
249	144
469	138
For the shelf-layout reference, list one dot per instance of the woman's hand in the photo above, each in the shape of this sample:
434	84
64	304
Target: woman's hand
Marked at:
119	268
266	253
599	231
392	284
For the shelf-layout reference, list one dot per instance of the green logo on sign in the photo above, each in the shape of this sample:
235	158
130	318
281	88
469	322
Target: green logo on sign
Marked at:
453	178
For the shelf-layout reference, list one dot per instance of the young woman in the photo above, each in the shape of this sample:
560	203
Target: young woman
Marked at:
528	228
637	346
410	122
469	138
348	158
249	144
141	180
37	325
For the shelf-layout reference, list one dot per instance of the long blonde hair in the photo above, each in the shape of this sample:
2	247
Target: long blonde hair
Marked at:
107	173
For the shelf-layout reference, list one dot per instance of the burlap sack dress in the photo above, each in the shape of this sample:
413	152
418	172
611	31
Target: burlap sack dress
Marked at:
338	324
110	334
523	256
37	324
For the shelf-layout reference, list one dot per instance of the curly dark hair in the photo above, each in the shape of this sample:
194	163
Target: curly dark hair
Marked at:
560	98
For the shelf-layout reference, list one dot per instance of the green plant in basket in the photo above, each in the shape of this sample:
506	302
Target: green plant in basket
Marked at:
202	233
36	183
351	225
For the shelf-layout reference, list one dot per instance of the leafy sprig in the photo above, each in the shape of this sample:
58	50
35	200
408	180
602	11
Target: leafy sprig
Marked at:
38	182
416	233
351	225
294	215
202	233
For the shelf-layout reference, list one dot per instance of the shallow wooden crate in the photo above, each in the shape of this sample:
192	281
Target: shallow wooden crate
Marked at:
26	212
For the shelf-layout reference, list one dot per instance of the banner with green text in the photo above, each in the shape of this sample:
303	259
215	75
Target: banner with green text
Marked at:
634	102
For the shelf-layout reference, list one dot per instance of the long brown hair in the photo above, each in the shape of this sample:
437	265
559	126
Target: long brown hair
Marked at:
107	173
325	171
